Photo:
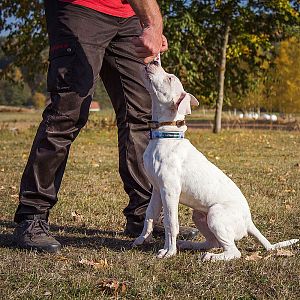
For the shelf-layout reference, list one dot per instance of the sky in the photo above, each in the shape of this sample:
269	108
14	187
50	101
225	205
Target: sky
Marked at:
10	21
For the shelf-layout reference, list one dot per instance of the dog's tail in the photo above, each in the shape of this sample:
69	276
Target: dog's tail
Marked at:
257	234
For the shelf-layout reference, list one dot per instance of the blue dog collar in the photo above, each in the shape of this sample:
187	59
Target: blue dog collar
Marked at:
166	135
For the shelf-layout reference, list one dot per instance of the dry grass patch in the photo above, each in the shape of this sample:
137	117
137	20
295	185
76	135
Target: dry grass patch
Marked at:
88	220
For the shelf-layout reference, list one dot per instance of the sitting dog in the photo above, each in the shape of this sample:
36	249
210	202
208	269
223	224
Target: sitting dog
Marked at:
179	173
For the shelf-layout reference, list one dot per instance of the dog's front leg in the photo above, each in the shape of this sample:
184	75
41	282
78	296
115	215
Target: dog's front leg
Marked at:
170	200
152	214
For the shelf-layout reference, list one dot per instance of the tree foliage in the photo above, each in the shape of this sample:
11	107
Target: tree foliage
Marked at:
287	74
39	100
26	41
278	89
14	94
195	30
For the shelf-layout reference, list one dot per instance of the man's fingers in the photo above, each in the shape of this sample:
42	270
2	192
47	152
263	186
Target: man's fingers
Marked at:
144	46
145	50
164	49
164	44
149	59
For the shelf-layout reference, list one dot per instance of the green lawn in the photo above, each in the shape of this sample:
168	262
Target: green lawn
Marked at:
265	164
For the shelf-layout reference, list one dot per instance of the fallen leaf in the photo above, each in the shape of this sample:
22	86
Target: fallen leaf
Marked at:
284	252
290	191
77	216
282	179
123	288
288	207
280	252
99	264
61	258
47	293
272	220
253	257
113	287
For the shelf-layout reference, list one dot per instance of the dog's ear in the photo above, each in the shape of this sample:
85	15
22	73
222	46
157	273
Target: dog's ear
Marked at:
184	103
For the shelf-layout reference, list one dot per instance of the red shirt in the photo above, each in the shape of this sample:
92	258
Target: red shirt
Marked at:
117	8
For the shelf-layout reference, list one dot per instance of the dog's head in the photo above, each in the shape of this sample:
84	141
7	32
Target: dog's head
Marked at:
167	89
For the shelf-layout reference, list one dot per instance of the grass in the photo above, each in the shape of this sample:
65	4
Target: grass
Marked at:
265	164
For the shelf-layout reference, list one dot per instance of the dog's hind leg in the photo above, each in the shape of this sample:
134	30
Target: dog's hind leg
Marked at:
152	214
221	223
200	220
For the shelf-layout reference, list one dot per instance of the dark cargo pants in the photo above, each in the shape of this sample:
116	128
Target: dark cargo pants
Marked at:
83	44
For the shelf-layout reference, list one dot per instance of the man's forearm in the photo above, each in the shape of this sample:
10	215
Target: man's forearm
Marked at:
149	13
151	41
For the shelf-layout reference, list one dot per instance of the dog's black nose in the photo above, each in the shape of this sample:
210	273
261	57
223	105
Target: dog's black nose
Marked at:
155	62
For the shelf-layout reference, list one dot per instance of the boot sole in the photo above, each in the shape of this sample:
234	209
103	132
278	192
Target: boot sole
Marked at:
49	249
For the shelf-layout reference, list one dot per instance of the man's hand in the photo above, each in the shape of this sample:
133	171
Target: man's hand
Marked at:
149	45
151	42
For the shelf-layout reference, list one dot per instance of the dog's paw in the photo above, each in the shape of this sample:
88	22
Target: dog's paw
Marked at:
226	255
142	240
165	253
206	256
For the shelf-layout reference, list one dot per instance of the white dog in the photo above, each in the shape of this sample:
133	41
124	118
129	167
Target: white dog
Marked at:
179	173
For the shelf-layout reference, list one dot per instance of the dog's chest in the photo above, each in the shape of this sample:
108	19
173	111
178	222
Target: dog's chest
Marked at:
161	158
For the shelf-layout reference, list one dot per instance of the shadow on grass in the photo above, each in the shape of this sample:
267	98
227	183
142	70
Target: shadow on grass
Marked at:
92	239
6	239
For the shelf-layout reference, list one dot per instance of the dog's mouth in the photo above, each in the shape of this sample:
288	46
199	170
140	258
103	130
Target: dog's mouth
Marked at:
148	76
151	67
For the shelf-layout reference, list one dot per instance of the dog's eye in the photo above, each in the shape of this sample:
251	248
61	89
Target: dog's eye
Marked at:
170	78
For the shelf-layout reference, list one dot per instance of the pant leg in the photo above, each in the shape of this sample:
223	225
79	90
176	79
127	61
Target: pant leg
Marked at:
77	46
132	103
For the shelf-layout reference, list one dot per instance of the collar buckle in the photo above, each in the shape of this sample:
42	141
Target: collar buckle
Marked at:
156	124
153	124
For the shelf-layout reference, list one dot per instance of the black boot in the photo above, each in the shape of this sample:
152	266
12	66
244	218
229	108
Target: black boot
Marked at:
33	234
134	229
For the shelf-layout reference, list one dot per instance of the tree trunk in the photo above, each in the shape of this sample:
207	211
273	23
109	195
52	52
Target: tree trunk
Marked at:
219	103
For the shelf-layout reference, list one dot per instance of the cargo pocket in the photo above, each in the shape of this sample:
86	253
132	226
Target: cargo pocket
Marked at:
60	72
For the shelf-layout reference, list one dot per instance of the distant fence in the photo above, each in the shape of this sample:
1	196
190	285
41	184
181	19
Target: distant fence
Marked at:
257	124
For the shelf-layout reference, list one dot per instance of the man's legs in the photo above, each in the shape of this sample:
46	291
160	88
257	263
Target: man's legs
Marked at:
75	62
121	75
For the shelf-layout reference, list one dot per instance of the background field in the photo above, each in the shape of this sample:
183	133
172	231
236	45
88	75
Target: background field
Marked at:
265	164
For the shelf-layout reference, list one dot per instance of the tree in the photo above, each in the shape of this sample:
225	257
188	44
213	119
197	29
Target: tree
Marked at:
27	39
14	94
287	70
198	32
39	100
